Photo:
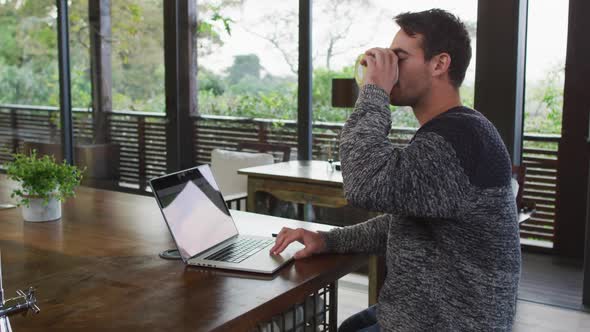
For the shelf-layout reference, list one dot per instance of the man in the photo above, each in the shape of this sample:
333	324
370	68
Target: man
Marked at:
449	229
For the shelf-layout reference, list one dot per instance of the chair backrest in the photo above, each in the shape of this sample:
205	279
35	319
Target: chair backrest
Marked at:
519	174
225	165
266	147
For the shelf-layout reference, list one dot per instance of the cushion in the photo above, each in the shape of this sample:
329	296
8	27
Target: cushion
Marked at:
225	165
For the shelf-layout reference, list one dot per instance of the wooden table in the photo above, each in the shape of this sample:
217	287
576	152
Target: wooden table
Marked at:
296	181
312	182
98	269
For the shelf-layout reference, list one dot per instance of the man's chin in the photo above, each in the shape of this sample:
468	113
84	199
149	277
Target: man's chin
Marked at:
396	101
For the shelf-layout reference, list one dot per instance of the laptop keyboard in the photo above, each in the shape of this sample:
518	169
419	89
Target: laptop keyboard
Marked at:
240	250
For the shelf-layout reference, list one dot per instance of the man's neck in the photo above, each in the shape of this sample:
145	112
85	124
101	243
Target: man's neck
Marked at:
438	102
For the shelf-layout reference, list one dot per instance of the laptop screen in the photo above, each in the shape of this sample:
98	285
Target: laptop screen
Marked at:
194	210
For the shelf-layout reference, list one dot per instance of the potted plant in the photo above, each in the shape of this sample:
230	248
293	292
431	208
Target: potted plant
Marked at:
43	185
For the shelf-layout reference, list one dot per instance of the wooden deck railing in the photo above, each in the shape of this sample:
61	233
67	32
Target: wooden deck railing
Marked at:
226	132
142	137
540	158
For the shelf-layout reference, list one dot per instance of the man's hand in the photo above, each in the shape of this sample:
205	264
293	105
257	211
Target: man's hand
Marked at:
382	68
314	243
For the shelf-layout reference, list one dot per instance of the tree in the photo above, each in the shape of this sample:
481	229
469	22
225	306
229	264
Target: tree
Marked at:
28	64
336	18
544	102
29	51
342	16
210	82
244	65
212	22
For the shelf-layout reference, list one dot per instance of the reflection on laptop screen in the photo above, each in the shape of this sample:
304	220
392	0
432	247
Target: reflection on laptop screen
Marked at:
194	210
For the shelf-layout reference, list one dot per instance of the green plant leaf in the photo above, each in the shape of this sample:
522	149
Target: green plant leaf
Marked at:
42	177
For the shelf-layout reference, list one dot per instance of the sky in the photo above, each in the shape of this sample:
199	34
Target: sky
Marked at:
373	26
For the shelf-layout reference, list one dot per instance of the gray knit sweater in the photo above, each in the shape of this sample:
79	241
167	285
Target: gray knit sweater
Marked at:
450	230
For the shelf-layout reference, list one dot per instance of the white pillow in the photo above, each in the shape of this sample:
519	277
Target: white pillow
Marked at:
225	165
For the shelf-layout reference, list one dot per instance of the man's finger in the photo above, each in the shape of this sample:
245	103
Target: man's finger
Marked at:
274	248
371	51
385	60
280	239
284	230
377	55
395	63
289	238
370	61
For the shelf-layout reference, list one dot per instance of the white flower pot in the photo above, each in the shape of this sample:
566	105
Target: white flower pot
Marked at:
38	211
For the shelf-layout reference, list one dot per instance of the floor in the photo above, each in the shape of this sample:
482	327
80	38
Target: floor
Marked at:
549	296
551	280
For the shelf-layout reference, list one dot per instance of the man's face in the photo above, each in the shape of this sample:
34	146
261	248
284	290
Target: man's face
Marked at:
414	72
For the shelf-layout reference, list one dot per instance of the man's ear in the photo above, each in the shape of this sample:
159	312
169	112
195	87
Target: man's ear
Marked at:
440	64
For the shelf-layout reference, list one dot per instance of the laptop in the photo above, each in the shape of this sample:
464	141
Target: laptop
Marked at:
203	229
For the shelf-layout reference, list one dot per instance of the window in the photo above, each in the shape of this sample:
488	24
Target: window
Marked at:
138	55
344	29
545	65
545	71
28	56
248	58
28	74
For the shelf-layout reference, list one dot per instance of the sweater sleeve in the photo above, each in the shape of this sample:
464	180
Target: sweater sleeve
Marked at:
424	179
369	237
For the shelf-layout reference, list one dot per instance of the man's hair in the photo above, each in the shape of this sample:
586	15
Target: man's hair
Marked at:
442	32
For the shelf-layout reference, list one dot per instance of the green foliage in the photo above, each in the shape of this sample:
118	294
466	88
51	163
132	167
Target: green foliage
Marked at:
544	102
42	177
209	81
28	66
137	55
244	65
276	98
270	104
223	19
28	56
10	48
212	23
322	95
467	95
403	117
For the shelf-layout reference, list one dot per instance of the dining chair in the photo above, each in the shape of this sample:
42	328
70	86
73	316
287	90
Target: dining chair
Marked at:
225	165
526	208
266	147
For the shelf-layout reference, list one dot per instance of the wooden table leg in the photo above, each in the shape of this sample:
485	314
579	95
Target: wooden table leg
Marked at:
251	199
377	271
